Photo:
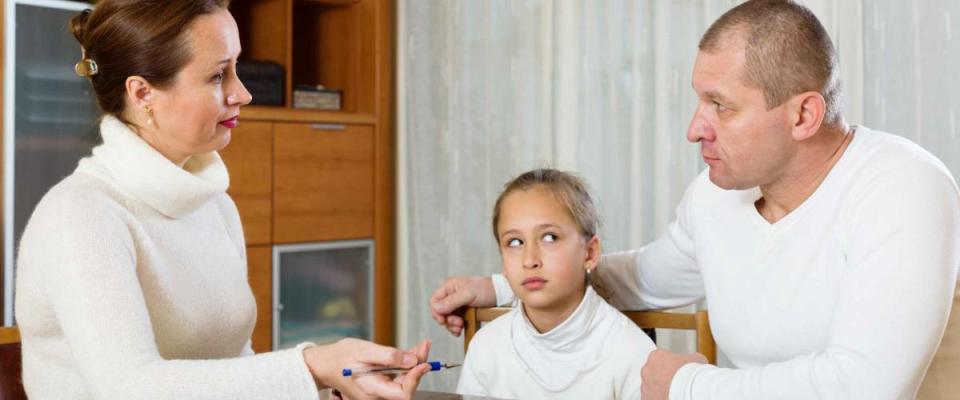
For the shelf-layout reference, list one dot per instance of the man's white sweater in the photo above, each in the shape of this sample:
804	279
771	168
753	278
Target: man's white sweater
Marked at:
131	284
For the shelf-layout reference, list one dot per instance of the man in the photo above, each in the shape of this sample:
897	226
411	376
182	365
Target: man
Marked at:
828	253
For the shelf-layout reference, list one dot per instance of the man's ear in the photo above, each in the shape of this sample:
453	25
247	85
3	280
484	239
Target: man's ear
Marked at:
808	111
139	92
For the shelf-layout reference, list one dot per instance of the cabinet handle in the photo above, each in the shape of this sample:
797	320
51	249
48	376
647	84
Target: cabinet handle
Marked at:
328	127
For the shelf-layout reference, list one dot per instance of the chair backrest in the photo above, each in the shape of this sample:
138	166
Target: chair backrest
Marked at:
697	322
11	382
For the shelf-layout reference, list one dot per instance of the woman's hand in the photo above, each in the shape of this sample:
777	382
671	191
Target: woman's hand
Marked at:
326	363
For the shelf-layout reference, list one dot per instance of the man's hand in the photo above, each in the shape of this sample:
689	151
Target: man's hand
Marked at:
658	372
459	292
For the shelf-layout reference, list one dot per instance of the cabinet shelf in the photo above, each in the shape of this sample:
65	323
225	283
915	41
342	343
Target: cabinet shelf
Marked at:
329	2
287	114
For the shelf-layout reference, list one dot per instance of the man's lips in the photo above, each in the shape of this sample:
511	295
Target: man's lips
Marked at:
231	123
707	159
533	283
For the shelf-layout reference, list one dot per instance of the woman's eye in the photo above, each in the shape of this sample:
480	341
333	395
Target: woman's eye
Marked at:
514	242
549	237
218	77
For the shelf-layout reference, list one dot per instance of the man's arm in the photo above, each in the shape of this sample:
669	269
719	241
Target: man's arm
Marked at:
663	274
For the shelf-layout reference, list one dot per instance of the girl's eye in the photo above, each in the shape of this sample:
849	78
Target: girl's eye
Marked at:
514	243
218	77
549	237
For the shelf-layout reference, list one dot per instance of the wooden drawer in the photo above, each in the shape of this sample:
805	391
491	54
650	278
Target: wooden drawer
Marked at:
249	161
322	182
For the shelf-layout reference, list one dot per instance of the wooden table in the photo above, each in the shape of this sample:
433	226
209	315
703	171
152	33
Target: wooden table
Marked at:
425	395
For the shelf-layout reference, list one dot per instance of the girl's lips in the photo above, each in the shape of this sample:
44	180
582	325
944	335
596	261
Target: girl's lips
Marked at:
231	123
534	283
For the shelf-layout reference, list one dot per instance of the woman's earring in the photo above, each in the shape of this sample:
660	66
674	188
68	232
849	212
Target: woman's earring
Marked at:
149	112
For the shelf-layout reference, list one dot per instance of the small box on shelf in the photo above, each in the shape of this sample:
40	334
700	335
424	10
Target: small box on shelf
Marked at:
316	97
264	80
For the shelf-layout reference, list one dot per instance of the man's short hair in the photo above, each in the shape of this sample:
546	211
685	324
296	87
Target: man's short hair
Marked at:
788	51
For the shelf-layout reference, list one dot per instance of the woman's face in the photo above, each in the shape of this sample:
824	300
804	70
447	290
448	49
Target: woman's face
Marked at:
196	114
544	255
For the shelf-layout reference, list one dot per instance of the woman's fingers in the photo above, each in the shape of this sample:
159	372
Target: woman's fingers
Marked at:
411	379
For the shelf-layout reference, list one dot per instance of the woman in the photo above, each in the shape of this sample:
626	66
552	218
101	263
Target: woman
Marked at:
132	271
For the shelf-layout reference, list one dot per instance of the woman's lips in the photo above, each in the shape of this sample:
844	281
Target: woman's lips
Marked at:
534	283
231	123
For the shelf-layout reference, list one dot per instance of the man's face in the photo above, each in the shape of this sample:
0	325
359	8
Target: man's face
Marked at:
744	144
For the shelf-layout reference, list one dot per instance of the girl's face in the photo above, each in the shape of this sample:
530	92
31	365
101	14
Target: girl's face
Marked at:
545	257
196	114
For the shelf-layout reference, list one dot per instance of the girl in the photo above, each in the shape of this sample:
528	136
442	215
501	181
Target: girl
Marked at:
564	340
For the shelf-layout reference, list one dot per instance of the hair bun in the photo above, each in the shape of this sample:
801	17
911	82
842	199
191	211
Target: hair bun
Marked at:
78	26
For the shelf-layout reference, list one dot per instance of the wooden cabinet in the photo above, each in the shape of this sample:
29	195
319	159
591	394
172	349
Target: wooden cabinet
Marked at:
249	159
303	176
323	182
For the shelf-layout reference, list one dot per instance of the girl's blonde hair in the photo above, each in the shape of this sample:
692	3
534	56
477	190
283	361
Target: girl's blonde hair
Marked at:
569	190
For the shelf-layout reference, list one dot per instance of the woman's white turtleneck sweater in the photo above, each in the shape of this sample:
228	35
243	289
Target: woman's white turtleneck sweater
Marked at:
596	353
131	284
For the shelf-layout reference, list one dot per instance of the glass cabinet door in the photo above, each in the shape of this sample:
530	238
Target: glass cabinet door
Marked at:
50	116
322	292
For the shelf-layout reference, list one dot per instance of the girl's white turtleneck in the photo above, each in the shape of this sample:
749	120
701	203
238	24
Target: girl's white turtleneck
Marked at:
595	353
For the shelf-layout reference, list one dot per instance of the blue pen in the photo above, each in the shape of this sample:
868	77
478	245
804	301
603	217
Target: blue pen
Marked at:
434	366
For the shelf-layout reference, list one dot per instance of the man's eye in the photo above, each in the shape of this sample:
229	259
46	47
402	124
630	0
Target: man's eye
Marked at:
514	242
720	107
549	237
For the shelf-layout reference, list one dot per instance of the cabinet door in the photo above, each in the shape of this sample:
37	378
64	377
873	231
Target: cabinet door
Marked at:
260	273
248	159
323	292
322	182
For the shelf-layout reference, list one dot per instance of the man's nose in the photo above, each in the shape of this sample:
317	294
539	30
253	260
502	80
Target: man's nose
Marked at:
699	129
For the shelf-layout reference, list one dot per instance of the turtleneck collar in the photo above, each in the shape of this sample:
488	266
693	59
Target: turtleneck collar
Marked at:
146	175
555	358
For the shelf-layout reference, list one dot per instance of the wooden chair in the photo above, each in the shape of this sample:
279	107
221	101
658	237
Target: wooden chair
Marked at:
11	382
645	319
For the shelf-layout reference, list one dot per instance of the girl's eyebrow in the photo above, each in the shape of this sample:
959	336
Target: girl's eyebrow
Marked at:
504	233
516	231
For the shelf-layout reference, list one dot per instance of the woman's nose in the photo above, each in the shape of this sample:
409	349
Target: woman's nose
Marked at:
240	95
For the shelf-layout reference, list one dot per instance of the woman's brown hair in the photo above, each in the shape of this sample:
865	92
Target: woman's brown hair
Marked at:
146	38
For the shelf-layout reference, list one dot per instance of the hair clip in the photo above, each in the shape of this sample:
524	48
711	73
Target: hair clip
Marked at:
86	67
